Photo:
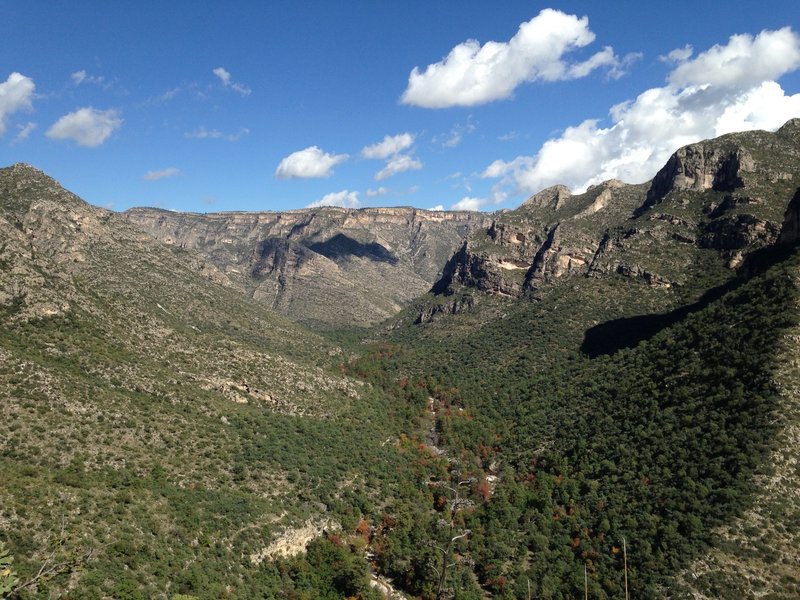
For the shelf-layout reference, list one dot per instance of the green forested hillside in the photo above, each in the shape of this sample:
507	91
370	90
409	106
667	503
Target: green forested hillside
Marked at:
657	444
628	412
162	433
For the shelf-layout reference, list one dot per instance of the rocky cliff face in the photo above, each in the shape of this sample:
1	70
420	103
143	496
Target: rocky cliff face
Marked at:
702	167
552	234
326	266
713	203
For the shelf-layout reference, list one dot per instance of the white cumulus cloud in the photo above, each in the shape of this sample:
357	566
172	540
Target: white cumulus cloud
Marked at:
86	126
309	163
500	167
391	149
727	88
16	94
474	74
743	62
678	54
225	77
162	174
469	203
345	198
398	164
389	146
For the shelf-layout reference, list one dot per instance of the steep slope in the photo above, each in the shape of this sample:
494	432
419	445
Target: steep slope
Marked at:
325	266
756	555
61	255
682	445
713	203
640	386
155	419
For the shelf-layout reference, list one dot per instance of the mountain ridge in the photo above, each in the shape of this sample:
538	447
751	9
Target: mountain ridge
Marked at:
152	392
381	259
738	207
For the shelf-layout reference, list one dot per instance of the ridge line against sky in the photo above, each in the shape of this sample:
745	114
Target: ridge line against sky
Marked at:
459	106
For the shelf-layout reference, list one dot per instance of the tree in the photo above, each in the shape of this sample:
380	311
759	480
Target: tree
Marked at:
8	577
55	563
454	533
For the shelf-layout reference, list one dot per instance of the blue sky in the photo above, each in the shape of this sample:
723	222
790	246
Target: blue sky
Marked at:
280	105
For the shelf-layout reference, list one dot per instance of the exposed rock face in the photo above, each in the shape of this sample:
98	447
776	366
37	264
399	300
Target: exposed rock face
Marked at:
603	198
727	163
553	234
482	270
725	196
458	305
554	197
293	540
561	255
739	231
699	167
328	266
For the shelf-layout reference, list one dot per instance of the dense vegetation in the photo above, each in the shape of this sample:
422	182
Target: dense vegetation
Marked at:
548	458
171	490
656	445
161	432
166	436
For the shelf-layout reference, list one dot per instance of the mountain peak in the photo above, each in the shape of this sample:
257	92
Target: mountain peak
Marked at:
790	128
25	173
728	163
22	184
553	197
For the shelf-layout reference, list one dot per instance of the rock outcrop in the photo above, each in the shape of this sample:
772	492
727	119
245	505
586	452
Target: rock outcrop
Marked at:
454	306
551	235
555	198
701	167
327	266
717	200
